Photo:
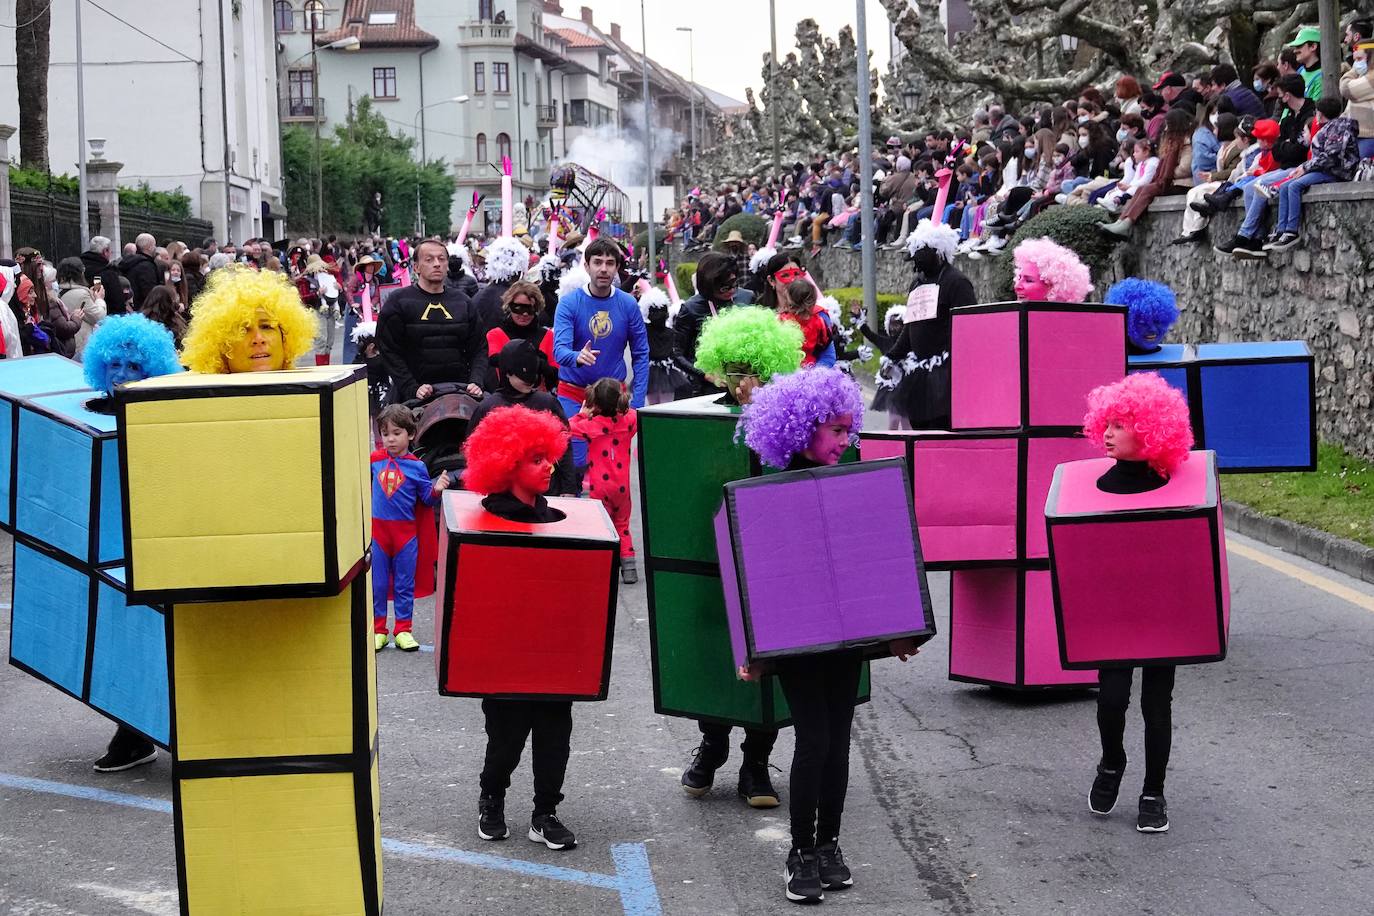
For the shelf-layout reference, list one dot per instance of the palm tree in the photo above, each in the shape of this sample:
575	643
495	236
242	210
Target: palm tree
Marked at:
31	46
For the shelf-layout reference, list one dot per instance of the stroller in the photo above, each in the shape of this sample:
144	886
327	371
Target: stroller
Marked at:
441	425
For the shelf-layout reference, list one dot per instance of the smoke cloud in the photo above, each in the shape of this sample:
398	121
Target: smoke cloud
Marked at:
617	153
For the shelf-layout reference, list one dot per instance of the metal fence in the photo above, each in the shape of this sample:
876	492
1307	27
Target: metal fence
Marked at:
49	222
133	221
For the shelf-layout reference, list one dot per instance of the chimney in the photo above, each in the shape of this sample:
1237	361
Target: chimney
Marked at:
615	30
554	7
587	15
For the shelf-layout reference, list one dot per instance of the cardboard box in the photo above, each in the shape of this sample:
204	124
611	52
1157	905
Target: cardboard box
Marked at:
279	502
1032	364
1139	578
525	611
73	627
274	712
789	545
1002	630
20	379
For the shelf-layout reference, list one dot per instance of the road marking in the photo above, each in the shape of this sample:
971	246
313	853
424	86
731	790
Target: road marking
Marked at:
633	879
1305	576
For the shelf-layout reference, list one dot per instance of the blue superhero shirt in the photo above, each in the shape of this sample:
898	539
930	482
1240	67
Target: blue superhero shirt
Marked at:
610	324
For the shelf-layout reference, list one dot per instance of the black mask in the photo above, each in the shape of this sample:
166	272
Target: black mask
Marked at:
927	262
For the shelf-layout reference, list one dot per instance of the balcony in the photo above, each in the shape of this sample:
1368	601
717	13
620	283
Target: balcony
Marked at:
546	116
483	31
307	110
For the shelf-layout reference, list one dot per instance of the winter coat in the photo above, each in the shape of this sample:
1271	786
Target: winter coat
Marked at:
1290	150
79	297
97	266
1335	149
1358	91
143	273
64	328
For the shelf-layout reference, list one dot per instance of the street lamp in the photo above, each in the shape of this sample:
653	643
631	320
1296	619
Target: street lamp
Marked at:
692	75
415	130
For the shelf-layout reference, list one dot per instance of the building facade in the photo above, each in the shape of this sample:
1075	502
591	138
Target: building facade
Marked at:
181	93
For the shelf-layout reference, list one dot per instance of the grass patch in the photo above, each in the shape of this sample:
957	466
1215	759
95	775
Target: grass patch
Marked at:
847	294
1337	498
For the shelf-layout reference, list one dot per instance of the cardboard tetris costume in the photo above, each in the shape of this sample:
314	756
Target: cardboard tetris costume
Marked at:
687	453
261	555
525	611
1166	546
789	545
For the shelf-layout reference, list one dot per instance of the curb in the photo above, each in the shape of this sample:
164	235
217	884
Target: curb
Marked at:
1349	557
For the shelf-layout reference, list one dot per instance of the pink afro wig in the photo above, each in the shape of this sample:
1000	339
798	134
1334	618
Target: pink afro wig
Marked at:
504	438
783	415
1155	411
1067	276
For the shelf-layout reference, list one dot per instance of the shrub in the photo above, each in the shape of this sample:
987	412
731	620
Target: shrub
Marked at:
753	228
683	275
1073	227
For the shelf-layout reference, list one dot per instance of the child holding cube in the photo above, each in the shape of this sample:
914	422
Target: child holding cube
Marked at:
608	423
511	458
1143	423
400	486
807	420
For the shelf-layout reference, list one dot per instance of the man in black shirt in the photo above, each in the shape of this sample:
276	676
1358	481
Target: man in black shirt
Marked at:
429	332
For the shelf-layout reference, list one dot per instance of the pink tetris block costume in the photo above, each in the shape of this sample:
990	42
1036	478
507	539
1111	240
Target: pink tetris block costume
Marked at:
1023	364
1167	545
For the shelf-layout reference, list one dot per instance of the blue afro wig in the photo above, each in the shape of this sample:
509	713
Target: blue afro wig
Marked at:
1152	310
783	415
131	337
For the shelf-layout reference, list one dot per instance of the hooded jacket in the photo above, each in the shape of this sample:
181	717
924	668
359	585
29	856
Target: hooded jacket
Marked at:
97	266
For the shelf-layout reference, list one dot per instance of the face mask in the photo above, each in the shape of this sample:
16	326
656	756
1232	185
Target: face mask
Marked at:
1213	119
1361	67
1030	152
1082	142
1260	87
1122	134
1083	119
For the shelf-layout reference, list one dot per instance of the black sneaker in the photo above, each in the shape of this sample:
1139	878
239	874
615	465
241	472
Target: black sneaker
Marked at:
756	787
834	873
1190	237
1199	206
549	830
1107	785
126	754
491	818
803	877
1154	815
1227	246
701	775
1247	248
1283	242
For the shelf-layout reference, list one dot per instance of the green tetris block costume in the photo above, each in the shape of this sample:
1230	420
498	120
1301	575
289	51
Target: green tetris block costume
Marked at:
687	453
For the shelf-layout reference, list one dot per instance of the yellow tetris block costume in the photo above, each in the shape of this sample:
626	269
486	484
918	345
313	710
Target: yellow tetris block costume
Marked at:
260	550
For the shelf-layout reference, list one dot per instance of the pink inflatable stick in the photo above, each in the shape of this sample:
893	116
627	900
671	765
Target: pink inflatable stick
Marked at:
776	230
944	176
507	199
467	221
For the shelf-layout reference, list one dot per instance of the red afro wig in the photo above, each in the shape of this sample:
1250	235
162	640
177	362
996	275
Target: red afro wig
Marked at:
504	438
1155	411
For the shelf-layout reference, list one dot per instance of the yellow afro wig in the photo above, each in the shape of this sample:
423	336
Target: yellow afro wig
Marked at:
227	307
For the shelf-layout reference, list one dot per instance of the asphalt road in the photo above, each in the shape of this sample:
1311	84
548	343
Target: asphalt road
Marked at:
962	800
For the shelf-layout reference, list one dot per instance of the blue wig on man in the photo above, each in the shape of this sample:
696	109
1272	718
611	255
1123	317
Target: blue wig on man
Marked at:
1151	310
128	348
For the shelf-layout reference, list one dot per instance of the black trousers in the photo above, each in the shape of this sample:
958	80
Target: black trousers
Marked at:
548	726
821	691
1156	704
757	745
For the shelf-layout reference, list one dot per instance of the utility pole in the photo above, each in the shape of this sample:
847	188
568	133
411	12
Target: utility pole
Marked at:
648	134
870	263
1329	21
315	113
692	76
81	132
772	82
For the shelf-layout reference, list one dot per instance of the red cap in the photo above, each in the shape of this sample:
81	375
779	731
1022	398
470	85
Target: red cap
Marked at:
1266	129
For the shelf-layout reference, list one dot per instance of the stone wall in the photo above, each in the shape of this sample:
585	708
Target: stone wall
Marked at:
1319	292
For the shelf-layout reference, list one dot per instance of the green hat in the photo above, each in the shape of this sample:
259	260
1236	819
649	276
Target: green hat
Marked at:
1308	33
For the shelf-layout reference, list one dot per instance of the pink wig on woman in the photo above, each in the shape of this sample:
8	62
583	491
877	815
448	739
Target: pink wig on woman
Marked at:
1067	277
1156	412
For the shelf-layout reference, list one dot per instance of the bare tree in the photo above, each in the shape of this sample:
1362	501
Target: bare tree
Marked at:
31	45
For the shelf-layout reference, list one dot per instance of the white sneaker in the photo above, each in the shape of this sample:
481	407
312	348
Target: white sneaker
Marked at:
996	245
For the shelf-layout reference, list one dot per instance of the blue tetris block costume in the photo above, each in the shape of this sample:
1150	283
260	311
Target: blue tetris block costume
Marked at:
403	536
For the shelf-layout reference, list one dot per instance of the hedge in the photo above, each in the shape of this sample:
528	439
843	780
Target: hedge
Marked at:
753	228
1073	227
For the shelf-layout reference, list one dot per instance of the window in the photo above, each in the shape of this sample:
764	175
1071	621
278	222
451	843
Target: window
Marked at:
482	147
484	10
381	18
500	76
525	87
285	15
314	14
384	82
300	94
526	155
503	146
479	78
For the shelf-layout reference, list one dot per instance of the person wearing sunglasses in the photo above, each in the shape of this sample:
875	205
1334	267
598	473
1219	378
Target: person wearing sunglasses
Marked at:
718	287
521	306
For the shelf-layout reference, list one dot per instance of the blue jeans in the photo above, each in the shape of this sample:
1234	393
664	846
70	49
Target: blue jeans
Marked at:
1256	203
350	349
1068	186
1290	199
1366	145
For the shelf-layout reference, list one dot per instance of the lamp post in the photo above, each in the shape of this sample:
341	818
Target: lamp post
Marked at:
415	129
692	75
648	136
351	43
866	166
81	134
772	82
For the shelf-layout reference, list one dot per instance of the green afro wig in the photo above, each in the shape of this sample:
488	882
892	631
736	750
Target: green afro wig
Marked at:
753	336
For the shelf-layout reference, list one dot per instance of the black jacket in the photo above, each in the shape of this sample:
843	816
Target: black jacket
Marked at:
143	273
465	283
426	338
929	341
687	328
534	333
1290	149
108	273
488	304
565	481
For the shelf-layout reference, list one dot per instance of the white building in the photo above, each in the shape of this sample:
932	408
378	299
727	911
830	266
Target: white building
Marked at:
154	93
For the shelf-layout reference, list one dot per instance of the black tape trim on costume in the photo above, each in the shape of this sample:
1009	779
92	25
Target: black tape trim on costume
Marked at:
613	602
220	768
328	485
223	594
364	745
127	395
686	567
1054	582
1023	370
92	620
444	605
1020	627
556	697
126	517
1193	373
1023	688
12	520
650	591
1146	662
1034	563
93	519
1218	533
1022	485
514	539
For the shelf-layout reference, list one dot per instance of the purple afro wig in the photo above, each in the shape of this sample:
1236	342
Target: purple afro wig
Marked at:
783	416
1067	276
1151	309
1156	412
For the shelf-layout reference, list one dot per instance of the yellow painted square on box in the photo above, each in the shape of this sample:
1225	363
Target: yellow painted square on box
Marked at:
268	845
278	499
271	678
